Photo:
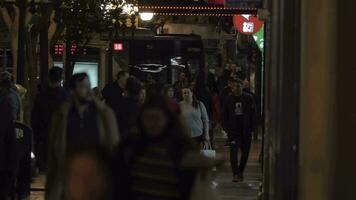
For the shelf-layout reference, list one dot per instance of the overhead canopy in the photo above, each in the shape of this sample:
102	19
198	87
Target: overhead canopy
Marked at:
200	7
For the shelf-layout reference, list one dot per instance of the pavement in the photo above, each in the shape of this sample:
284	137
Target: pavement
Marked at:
249	188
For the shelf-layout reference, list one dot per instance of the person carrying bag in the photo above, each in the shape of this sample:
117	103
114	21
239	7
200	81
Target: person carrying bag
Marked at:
195	116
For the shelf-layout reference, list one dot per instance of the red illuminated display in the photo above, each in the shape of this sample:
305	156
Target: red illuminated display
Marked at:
59	49
118	46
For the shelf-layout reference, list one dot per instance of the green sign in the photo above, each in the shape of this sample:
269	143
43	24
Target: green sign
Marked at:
260	38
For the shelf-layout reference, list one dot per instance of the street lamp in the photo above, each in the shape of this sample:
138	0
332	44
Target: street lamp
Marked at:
146	16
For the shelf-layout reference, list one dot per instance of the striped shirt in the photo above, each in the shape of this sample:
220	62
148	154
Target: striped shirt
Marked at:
154	174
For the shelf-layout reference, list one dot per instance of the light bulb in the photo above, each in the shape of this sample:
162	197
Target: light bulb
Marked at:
146	16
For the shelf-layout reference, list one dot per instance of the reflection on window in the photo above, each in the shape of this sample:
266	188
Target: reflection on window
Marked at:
91	68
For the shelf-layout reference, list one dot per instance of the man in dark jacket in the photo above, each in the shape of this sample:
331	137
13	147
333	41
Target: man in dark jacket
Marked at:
7	138
129	107
239	116
223	96
113	92
47	101
81	123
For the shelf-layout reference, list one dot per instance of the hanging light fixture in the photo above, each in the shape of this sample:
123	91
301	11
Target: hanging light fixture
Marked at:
146	16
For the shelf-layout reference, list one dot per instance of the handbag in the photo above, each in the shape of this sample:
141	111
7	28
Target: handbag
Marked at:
208	152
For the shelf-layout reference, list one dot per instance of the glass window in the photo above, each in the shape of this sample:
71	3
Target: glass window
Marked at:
91	68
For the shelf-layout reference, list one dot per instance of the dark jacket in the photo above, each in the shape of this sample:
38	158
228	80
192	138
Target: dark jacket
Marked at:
46	103
229	122
113	94
13	100
225	93
7	138
127	115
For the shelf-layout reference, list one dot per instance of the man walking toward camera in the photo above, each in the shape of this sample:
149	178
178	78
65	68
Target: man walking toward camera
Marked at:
239	116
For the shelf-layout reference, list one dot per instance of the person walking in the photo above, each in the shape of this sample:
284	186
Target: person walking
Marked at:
159	160
239	116
7	138
88	175
168	92
195	116
183	82
129	107
226	91
10	94
46	102
113	92
82	122
224	95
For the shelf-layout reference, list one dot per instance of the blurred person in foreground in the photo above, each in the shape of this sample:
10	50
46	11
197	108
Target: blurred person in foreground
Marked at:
159	160
97	93
46	102
7	138
239	116
88	175
195	117
82	122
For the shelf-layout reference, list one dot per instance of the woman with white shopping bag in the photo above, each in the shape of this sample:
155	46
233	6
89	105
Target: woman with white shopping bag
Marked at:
195	116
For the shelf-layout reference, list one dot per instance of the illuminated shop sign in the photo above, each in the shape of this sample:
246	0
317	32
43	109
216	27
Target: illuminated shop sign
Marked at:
118	46
60	48
247	24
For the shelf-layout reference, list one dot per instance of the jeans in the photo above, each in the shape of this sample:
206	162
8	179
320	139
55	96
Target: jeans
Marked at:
243	142
41	149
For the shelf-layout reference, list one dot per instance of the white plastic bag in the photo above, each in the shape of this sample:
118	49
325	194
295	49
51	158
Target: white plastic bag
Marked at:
208	151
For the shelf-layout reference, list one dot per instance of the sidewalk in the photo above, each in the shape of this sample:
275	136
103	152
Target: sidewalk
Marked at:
247	190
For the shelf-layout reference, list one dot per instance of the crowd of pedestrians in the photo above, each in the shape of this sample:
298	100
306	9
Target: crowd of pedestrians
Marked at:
135	139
